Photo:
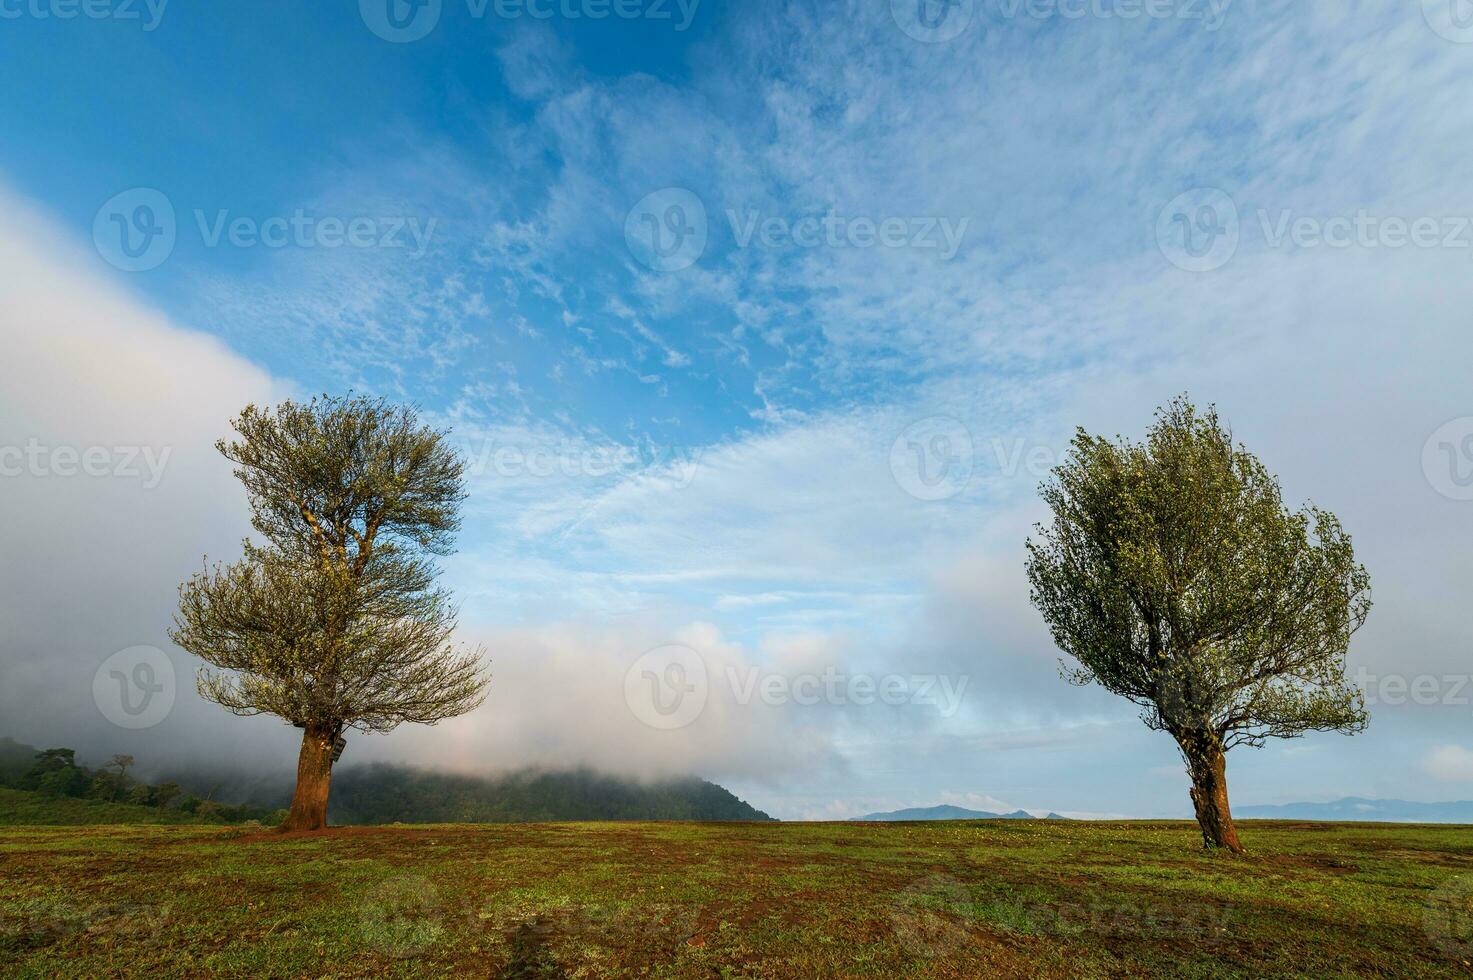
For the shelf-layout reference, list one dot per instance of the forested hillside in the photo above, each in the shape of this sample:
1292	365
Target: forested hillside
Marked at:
389	794
365	794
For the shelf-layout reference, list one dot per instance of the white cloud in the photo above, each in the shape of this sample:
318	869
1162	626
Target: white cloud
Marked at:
1449	763
558	699
92	561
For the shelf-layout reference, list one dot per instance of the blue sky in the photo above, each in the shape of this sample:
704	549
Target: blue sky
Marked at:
713	295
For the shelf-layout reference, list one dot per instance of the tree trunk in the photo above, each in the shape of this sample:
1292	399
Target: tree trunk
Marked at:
1207	764
314	776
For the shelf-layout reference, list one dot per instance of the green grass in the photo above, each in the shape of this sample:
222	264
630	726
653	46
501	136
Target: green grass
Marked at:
996	899
19	808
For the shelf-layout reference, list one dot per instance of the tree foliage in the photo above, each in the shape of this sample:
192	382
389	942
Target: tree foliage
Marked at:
335	621
1174	576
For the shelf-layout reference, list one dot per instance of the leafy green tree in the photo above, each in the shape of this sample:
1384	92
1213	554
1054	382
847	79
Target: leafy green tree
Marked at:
335	622
63	782
1174	576
55	771
164	794
106	785
109	785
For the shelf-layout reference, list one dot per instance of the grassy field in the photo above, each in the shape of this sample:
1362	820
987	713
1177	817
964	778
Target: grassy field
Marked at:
736	900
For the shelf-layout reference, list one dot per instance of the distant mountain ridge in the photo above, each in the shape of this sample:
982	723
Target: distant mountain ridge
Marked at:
1355	808
383	793
1349	810
948	812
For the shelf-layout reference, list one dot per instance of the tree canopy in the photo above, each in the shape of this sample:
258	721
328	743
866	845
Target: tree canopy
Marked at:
1173	575
335	620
